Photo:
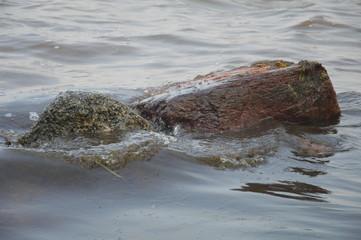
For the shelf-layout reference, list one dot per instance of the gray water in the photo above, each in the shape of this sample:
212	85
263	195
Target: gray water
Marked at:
307	185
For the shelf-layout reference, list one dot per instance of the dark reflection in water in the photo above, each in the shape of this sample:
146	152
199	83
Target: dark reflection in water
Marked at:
325	127
311	160
313	153
285	189
307	172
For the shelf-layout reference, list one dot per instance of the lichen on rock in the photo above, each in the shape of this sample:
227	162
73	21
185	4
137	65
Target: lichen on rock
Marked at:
74	113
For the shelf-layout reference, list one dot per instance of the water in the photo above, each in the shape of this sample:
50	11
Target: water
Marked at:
307	185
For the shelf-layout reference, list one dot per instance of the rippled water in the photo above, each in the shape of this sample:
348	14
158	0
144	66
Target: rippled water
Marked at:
299	182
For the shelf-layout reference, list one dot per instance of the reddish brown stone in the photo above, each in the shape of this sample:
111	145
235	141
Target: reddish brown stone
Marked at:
299	93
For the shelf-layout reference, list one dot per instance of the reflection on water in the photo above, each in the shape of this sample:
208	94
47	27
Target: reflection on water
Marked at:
287	189
308	172
311	160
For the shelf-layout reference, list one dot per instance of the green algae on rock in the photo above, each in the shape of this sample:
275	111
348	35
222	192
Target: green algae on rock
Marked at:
72	113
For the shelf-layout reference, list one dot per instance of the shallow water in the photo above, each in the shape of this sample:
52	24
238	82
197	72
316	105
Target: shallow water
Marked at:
306	184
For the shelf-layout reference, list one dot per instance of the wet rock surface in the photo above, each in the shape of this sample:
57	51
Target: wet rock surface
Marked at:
298	93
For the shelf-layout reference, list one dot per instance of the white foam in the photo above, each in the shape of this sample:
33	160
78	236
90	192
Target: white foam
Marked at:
33	116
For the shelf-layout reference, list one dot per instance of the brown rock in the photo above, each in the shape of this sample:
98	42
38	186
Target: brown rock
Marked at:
299	93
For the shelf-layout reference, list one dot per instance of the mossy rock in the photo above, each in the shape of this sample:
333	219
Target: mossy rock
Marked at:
75	113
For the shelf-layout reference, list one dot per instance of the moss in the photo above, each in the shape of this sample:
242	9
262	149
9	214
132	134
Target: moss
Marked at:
281	64
309	69
8	136
311	76
74	113
324	76
273	63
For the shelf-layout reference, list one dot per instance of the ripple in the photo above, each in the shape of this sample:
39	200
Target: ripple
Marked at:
178	40
14	79
227	151
349	101
82	54
113	151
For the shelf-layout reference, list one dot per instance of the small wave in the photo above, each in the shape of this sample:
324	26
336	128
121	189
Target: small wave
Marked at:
178	40
317	22
14	79
225	151
112	151
81	53
350	101
221	6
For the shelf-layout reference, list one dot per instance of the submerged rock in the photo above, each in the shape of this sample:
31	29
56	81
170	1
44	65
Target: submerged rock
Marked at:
298	93
72	113
137	145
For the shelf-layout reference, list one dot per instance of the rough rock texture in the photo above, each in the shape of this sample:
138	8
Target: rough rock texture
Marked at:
299	93
73	113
